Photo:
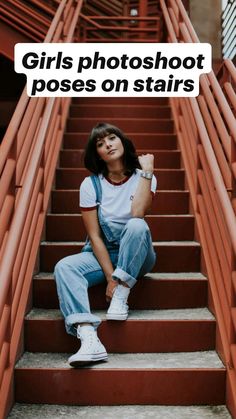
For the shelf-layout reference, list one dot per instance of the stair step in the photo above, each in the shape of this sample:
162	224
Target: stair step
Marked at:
106	111
125	124
121	101
150	140
144	331
164	202
159	378
154	291
172	179
163	159
173	256
163	227
38	411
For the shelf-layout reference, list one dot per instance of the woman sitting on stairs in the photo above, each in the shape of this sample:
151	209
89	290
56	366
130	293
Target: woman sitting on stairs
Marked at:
119	247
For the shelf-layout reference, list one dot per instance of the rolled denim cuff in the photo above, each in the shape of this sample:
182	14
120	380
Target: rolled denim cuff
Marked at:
125	277
72	319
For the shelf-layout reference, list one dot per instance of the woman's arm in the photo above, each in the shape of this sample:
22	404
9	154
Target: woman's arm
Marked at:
143	199
91	223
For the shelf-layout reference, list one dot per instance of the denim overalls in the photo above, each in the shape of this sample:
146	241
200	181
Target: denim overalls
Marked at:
111	230
131	253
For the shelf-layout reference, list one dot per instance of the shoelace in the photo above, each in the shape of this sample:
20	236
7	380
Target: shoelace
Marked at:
89	340
118	300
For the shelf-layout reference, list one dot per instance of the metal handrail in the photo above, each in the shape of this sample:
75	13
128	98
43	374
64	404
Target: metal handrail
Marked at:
206	130
18	14
226	77
28	157
121	27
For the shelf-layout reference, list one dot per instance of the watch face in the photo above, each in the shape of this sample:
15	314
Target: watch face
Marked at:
146	175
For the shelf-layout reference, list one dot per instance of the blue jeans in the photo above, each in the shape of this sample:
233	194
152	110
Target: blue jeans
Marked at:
133	258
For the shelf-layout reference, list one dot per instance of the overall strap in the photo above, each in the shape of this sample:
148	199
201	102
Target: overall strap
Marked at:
98	188
111	235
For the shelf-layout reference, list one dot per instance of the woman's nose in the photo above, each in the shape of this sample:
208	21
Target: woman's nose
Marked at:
108	144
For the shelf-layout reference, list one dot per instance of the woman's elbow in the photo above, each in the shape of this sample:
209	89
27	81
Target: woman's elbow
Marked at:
140	212
137	213
95	239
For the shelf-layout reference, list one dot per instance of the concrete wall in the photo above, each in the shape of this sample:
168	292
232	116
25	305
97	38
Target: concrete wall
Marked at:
206	18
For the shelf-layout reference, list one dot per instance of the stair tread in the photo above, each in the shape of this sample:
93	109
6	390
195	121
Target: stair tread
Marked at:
128	133
93	118
138	150
37	411
179	314
83	170
177	360
155	276
155	243
147	216
176	191
123	105
185	191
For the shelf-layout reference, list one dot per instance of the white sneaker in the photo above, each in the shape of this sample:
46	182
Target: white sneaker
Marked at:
91	349
119	308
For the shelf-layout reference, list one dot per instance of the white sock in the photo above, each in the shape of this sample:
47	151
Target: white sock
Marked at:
84	329
123	291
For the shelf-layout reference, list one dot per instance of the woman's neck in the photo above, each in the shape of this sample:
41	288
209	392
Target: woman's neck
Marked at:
116	171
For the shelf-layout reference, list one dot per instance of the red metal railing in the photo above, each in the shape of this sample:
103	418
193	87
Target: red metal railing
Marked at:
103	21
28	158
227	79
32	18
206	130
104	7
120	29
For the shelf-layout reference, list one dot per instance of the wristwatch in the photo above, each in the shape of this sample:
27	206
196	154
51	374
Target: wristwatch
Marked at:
146	175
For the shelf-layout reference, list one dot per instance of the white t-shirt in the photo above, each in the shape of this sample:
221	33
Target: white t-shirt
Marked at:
116	198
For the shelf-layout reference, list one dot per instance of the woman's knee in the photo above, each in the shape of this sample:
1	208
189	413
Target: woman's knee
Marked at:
66	269
61	266
137	226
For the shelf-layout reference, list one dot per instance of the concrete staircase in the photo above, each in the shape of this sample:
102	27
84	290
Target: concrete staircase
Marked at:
164	353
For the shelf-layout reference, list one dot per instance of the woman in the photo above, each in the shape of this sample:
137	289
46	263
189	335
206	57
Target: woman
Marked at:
119	247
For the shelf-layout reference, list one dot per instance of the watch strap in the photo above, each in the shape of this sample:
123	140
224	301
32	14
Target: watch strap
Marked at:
146	175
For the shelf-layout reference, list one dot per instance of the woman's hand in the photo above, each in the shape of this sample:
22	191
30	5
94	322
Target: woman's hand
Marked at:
146	162
111	285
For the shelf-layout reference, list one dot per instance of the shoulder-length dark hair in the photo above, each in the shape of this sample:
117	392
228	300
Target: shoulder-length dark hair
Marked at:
93	162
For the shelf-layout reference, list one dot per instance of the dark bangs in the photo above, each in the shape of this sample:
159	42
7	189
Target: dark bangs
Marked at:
102	130
94	163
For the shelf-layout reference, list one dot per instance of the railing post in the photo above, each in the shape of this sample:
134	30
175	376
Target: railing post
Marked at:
233	165
143	11
126	13
84	35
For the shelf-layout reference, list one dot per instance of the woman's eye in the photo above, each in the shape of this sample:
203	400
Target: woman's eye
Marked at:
99	145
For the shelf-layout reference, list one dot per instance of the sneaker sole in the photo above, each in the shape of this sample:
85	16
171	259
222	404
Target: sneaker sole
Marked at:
85	360
116	316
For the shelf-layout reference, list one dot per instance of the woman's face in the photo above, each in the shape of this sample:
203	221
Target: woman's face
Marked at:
110	148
